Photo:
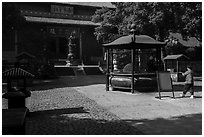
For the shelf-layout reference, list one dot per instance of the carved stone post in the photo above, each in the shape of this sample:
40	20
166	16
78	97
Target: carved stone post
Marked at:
71	57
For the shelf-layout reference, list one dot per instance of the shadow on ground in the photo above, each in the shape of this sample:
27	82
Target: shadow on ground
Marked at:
180	88
181	125
67	122
69	81
176	88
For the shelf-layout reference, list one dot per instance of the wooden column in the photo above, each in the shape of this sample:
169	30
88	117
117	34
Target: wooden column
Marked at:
107	73
80	45
133	69
57	45
16	41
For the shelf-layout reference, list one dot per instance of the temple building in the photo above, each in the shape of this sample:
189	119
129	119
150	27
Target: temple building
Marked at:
48	28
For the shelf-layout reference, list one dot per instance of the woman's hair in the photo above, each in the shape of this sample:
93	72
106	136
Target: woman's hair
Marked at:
189	66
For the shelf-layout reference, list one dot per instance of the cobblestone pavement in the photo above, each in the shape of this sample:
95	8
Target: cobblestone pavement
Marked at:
64	111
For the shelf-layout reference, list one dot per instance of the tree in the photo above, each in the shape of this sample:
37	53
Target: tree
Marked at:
155	19
152	18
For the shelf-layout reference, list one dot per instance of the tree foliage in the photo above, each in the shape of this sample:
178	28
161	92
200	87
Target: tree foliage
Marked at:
155	19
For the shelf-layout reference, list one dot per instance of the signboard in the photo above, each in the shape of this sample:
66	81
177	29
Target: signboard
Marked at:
164	82
62	9
62	31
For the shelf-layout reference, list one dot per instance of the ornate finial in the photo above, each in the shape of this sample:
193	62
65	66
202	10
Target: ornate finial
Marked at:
133	27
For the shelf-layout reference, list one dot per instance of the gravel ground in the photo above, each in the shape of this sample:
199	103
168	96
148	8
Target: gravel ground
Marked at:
65	111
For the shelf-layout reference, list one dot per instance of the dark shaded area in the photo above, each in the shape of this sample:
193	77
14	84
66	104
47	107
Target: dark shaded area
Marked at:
13	121
176	97
69	71
181	125
176	88
180	88
74	81
64	71
70	81
189	97
63	82
92	71
62	122
59	111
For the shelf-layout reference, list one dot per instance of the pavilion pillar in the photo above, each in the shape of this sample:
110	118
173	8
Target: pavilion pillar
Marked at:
57	45
165	64
80	45
158	58
111	60
107	73
133	69
177	66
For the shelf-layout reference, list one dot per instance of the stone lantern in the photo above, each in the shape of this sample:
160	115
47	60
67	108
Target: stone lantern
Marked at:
17	94
71	56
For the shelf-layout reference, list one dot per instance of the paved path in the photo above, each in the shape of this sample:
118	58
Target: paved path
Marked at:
180	116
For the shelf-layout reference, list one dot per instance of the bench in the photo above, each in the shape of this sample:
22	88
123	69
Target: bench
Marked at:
13	121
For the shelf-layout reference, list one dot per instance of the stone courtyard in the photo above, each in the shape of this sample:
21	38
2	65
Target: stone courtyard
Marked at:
81	106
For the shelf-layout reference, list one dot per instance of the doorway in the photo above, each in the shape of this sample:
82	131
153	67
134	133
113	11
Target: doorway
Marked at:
63	47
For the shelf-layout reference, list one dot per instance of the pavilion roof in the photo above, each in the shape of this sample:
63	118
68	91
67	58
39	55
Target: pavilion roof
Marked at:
141	41
176	57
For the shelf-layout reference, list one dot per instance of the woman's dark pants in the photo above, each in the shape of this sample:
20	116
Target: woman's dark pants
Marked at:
188	87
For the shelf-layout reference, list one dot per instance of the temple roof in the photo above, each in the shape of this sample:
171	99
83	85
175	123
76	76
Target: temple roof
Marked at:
91	4
60	21
191	42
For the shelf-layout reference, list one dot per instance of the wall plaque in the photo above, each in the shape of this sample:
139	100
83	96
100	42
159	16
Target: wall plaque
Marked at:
62	9
62	31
